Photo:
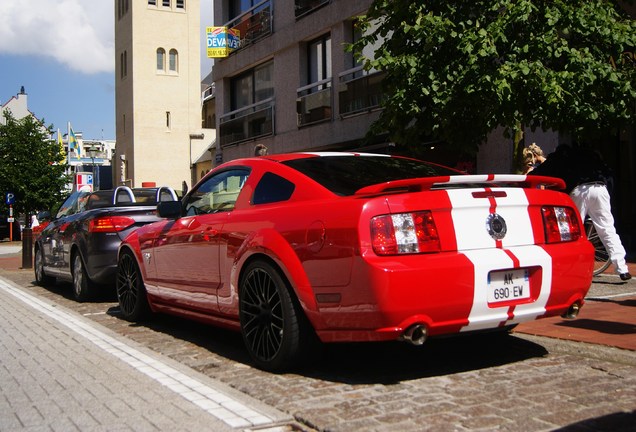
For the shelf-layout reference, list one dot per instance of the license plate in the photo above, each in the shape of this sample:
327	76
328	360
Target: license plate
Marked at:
507	285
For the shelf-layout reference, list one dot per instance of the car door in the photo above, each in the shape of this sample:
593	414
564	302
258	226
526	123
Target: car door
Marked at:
187	254
53	237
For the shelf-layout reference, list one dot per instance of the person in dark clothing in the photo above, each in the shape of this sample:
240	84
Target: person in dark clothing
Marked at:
587	179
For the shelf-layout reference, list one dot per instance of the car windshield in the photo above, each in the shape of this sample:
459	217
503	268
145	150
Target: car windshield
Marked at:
344	175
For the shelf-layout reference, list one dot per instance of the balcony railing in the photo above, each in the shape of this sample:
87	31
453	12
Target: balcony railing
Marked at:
314	102
251	122
359	91
253	24
303	7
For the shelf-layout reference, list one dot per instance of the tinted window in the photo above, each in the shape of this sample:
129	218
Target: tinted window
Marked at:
272	188
344	175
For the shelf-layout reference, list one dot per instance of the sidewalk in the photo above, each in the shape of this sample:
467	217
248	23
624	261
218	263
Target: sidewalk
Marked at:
79	376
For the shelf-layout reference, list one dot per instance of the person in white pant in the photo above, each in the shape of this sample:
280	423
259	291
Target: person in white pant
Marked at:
586	177
593	200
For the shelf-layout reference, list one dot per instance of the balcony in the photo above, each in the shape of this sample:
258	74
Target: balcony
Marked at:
314	103
248	123
359	91
253	24
304	7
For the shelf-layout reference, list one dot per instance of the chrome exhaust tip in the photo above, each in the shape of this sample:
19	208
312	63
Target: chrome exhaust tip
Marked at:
416	334
572	312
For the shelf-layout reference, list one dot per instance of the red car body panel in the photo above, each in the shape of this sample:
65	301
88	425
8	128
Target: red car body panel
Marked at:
321	242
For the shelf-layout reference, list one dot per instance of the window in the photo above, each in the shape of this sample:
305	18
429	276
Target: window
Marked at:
303	7
123	64
253	86
161	59
237	7
165	3
173	61
217	193
152	2
272	188
180	4
319	59
168	119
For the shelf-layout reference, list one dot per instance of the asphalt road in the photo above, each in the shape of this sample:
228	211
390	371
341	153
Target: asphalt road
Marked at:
520	382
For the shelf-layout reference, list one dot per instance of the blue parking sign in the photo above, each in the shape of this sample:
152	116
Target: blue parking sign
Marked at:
9	198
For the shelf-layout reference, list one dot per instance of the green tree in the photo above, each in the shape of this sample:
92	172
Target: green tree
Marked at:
32	166
455	70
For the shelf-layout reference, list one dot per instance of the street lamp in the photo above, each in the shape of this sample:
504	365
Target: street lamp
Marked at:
92	152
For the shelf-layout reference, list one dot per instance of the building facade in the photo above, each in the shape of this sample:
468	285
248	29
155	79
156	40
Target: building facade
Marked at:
291	86
157	92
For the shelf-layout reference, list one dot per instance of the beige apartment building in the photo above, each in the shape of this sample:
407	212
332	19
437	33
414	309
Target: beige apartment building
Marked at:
158	95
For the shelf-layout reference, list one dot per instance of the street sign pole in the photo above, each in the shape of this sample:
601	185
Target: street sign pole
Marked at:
10	222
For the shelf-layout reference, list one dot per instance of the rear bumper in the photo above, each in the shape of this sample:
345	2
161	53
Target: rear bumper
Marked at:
448	293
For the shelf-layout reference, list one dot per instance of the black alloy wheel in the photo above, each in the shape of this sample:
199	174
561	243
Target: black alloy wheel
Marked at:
41	278
131	292
83	288
271	323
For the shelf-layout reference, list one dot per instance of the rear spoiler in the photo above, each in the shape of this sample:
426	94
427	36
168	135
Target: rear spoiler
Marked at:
479	180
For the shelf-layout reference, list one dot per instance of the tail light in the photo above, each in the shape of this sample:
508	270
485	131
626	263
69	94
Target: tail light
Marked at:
404	233
561	224
109	224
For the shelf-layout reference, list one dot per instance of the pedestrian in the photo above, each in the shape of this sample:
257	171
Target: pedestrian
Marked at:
587	180
260	150
532	157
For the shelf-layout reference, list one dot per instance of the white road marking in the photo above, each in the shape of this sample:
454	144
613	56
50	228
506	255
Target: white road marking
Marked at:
227	409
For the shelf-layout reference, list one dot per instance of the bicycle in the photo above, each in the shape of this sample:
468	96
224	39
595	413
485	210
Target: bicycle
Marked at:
601	257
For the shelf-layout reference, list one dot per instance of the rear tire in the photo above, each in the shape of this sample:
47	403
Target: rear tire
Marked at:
131	292
274	328
83	287
41	278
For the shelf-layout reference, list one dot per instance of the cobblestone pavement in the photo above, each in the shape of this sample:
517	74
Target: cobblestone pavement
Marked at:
482	383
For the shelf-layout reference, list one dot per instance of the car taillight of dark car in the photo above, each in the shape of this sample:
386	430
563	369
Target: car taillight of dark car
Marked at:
561	224
109	224
404	233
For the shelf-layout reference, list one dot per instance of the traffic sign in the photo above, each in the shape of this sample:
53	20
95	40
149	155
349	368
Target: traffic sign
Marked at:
9	198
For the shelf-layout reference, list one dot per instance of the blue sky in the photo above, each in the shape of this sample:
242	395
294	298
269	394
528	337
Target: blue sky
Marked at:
62	52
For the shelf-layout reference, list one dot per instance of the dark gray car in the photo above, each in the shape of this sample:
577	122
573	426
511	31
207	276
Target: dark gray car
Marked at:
80	243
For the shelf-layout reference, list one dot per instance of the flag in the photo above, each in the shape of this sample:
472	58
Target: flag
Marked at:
61	144
73	144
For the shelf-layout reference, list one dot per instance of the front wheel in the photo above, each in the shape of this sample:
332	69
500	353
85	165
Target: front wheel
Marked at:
83	288
272	324
131	292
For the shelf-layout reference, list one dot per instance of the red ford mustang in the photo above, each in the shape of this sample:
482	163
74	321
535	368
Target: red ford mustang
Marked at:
356	247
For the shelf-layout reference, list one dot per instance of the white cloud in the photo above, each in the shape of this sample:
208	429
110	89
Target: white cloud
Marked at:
76	33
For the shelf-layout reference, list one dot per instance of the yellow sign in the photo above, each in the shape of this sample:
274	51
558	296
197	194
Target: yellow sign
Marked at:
221	41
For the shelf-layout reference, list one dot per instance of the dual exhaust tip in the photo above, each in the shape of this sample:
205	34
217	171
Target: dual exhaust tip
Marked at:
416	334
572	312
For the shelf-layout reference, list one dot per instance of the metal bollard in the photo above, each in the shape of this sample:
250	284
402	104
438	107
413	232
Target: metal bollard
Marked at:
27	248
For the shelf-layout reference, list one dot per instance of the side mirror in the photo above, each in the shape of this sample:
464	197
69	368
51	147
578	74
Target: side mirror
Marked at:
169	209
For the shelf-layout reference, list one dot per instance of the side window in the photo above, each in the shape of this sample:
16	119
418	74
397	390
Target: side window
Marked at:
272	188
73	204
217	193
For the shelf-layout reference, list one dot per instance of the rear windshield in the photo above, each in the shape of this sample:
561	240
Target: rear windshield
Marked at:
344	175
